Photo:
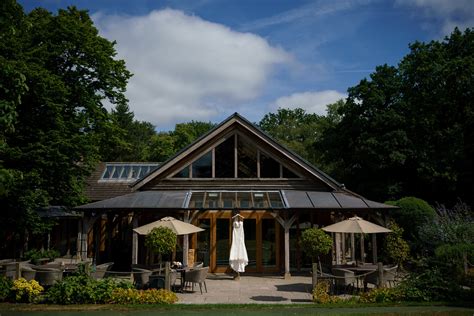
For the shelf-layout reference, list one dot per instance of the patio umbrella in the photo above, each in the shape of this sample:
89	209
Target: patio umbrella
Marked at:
177	226
238	258
356	225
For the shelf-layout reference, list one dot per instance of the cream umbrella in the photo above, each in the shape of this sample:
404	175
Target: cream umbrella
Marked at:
177	226
356	225
360	226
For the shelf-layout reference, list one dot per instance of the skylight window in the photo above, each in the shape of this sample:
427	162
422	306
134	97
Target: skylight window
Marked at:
124	172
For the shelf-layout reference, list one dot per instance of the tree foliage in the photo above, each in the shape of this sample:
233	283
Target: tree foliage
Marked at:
298	130
56	72
161	240
396	248
315	242
409	129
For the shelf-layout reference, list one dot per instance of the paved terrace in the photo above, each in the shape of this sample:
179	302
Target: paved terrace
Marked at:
269	289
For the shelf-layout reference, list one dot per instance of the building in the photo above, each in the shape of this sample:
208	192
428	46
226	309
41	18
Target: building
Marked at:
234	168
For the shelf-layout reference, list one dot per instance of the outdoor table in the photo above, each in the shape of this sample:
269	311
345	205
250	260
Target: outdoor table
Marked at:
182	271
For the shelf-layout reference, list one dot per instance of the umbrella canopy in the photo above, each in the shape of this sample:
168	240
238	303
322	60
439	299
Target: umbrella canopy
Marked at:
356	225
177	226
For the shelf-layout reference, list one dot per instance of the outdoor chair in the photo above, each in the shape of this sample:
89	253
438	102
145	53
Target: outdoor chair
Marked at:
389	277
344	278
197	276
197	265
28	273
48	276
101	270
141	277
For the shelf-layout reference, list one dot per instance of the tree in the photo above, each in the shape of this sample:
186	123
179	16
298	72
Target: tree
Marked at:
413	213
296	129
396	248
161	240
166	144
315	242
409	129
59	72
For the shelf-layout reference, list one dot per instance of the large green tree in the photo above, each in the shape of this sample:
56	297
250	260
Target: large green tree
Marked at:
56	72
409	129
297	130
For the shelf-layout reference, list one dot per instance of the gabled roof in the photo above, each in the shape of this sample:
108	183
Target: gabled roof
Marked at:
234	121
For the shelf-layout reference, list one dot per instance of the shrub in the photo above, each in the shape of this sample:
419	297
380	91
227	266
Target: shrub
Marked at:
321	294
26	291
315	242
381	295
5	288
150	296
161	240
82	289
413	214
395	247
35	254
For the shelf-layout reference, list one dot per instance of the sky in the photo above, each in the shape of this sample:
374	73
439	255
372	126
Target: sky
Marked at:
206	59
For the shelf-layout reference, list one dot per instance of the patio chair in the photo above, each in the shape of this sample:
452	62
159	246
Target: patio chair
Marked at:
197	265
344	278
101	270
389	277
48	276
197	276
141	277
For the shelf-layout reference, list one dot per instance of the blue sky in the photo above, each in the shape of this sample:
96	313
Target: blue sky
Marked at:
205	59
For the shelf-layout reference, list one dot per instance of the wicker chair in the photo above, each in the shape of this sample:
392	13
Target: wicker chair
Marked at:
344	278
197	276
48	276
141	277
101	270
389	277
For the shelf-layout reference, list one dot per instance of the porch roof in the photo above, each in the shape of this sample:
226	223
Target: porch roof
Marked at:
292	199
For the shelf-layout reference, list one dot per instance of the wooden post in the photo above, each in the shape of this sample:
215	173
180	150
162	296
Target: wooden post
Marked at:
134	240
286	226
315	274
17	271
186	241
381	280
353	249
374	248
343	246
338	248
362	248
167	276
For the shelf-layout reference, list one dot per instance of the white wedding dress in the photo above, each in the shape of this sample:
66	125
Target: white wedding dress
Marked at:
238	258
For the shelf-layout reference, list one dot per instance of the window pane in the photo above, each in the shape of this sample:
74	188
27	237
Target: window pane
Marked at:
202	168
250	228
125	172
225	162
117	171
269	167
228	199
268	243
212	200
135	172
222	241
184	173
275	200
288	173
204	241
108	172
243	199
247	159
260	200
197	199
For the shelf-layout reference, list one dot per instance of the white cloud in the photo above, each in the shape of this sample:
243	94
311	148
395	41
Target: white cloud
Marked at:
311	101
451	13
187	68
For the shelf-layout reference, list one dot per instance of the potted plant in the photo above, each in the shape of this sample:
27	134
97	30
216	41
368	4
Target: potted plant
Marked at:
315	242
161	241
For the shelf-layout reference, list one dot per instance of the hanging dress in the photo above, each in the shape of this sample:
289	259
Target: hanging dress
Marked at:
238	258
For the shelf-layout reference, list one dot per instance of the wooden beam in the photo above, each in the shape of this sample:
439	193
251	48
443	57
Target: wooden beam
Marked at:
186	240
374	248
286	226
134	240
